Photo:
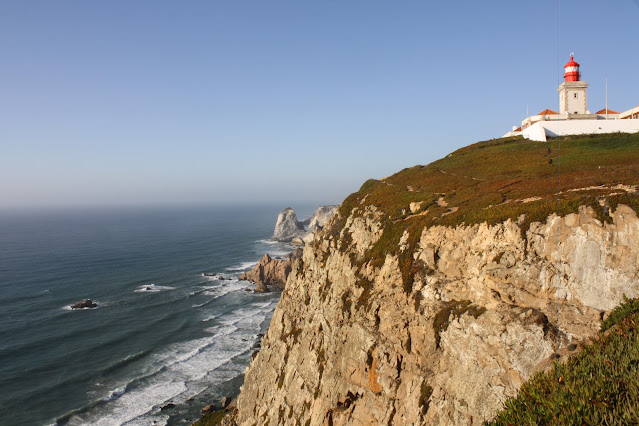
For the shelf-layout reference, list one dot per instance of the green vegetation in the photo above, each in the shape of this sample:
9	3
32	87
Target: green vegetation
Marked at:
494	181
629	306
600	385
211	419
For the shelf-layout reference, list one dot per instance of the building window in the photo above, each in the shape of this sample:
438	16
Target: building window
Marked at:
575	96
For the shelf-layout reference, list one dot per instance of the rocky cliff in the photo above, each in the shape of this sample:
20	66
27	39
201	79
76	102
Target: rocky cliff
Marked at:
271	273
432	295
289	229
321	217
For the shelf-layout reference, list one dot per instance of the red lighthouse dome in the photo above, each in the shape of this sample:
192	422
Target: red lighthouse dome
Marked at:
571	70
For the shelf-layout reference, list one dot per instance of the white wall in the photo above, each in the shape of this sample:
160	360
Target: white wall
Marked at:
539	131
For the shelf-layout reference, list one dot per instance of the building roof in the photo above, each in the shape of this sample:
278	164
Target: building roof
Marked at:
547	112
607	111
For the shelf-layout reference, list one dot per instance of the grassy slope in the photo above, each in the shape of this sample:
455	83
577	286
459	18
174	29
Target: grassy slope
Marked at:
489	181
598	386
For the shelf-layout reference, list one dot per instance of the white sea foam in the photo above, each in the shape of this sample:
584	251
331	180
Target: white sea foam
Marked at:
182	371
221	290
69	308
242	266
114	394
270	242
152	288
209	318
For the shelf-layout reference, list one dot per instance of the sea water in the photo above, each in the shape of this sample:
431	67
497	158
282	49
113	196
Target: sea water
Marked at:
166	338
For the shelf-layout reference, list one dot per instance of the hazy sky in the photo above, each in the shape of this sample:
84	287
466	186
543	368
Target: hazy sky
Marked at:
158	102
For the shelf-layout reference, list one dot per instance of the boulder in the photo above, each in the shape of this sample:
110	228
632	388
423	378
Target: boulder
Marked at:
287	226
308	238
88	303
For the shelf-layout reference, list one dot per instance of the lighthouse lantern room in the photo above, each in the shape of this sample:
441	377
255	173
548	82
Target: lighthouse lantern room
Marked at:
572	92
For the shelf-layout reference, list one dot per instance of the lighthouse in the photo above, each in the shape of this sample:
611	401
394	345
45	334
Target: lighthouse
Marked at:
573	117
572	92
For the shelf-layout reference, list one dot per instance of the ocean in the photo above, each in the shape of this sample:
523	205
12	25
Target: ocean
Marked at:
165	340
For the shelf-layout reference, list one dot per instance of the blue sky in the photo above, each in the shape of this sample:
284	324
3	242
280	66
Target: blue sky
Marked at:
201	102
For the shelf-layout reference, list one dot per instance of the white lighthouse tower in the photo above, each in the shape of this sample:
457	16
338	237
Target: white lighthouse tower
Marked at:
572	92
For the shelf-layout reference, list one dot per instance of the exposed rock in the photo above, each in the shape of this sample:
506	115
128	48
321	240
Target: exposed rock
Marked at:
289	229
271	272
287	226
321	217
261	288
85	304
167	406
487	309
226	401
297	241
208	409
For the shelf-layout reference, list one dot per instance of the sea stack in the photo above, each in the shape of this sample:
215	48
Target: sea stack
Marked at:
287	226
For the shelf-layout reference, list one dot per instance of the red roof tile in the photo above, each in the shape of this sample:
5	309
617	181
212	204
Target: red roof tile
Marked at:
603	111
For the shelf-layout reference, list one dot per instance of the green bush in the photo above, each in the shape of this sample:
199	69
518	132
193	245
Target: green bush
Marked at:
627	307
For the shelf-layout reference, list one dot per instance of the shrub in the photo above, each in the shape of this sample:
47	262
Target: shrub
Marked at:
627	307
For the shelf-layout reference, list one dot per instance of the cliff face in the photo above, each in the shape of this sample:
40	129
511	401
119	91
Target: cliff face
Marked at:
432	295
480	318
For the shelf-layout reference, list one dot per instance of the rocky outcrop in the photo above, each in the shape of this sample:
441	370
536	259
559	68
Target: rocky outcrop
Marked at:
289	229
271	273
321	217
287	226
354	342
85	304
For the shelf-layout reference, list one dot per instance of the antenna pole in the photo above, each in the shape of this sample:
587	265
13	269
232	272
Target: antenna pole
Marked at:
606	96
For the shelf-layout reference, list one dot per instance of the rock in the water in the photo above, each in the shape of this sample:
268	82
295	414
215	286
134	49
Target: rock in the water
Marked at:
88	303
271	272
297	241
287	226
168	406
261	288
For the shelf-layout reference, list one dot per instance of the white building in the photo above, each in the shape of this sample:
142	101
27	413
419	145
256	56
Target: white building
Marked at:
573	117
